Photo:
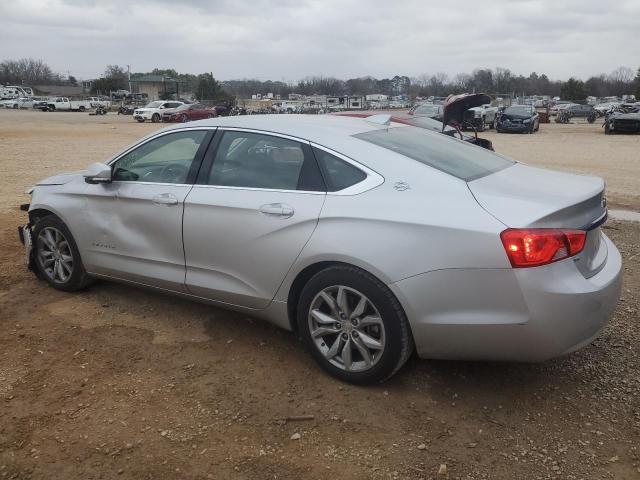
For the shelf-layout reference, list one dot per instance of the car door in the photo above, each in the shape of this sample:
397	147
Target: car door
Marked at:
254	206
133	225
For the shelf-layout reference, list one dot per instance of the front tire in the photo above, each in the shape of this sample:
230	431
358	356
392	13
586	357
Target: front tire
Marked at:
56	256
353	325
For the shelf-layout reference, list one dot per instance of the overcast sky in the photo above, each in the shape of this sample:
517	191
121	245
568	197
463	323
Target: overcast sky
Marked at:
290	39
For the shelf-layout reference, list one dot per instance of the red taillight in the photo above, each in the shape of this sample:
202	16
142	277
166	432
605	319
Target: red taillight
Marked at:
533	247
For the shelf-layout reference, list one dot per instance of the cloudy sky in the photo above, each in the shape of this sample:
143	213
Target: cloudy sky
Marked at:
290	39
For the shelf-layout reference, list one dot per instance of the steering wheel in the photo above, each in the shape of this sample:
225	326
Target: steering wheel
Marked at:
174	173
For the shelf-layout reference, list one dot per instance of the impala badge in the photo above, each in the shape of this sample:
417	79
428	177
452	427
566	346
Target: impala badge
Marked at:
401	186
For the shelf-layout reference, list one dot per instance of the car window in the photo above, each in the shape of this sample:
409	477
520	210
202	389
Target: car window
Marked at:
255	160
165	159
460	159
338	173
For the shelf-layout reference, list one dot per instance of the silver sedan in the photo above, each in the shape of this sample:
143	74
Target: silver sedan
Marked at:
369	239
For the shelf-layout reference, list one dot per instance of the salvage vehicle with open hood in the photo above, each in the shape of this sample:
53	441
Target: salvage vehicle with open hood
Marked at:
518	118
623	119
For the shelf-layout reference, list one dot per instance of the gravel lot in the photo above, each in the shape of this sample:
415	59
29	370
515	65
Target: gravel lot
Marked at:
117	382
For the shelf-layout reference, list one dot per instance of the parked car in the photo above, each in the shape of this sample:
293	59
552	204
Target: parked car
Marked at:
624	119
40	104
367	238
559	105
29	102
153	111
518	118
11	103
63	104
99	101
427	110
603	108
480	117
189	112
579	110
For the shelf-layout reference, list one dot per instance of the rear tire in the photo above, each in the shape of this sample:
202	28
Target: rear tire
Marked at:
82	109
361	335
56	256
155	118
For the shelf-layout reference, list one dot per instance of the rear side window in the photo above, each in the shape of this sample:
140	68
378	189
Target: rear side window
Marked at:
338	173
255	160
455	157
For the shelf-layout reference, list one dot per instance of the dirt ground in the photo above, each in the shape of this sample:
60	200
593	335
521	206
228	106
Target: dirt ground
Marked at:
116	382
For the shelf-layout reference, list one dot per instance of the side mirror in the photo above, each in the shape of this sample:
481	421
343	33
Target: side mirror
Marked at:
97	173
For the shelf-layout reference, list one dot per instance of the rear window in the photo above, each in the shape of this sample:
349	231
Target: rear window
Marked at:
338	173
455	157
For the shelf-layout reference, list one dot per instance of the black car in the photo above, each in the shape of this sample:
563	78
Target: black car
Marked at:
625	119
518	118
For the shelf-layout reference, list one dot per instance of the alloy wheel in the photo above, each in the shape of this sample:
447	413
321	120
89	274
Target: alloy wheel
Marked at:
54	255
347	328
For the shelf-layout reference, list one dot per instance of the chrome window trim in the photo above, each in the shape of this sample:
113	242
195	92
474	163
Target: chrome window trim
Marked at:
265	132
373	179
148	139
254	189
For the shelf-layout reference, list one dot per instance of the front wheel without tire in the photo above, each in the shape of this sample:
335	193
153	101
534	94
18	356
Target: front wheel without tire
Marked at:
353	325
56	255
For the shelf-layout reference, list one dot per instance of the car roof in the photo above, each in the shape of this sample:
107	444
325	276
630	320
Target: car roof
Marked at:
322	129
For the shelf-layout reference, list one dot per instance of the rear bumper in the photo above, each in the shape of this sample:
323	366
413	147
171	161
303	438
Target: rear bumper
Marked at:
528	314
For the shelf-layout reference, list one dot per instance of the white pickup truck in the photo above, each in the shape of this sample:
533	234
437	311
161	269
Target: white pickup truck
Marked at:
482	116
65	105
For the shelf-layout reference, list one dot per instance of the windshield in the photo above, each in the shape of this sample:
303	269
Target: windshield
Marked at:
154	104
183	107
428	109
518	110
460	159
428	123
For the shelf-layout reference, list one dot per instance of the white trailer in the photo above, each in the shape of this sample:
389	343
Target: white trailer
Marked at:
10	92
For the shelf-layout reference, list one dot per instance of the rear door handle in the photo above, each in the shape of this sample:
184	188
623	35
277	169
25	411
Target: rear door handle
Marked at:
165	199
281	210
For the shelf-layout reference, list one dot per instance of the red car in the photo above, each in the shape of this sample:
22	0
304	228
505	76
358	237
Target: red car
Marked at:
188	112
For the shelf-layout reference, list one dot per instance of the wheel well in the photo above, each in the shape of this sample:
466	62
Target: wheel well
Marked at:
301	280
39	213
298	284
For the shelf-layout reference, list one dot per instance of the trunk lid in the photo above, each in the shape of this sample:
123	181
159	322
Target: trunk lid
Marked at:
529	197
456	106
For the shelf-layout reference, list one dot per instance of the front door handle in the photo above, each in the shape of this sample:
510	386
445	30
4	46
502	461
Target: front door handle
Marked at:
281	210
165	199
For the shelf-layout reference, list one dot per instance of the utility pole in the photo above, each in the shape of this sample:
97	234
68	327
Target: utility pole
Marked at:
129	77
